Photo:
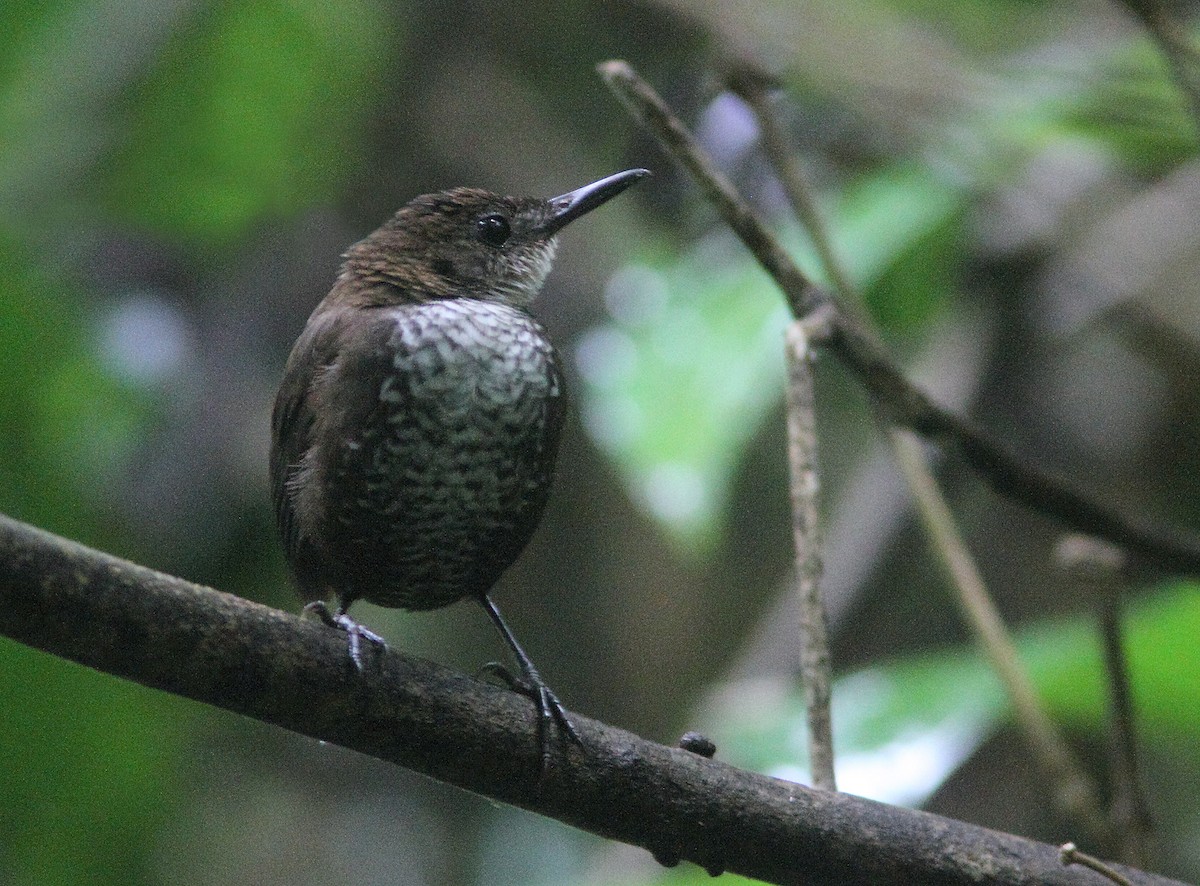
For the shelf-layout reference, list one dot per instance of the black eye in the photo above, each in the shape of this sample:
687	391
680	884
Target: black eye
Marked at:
493	229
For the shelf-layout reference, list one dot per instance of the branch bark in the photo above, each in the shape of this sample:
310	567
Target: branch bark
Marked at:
816	669
163	632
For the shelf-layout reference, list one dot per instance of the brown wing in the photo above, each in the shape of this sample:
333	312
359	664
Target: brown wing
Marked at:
292	432
308	411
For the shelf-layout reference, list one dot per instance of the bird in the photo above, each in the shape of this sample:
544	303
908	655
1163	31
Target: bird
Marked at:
416	427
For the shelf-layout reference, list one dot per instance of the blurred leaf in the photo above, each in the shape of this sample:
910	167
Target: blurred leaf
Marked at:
254	111
896	233
679	379
1135	108
67	423
902	729
883	218
675	390
1164	662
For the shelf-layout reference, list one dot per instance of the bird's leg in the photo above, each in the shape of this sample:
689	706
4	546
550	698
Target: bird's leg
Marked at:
355	632
531	684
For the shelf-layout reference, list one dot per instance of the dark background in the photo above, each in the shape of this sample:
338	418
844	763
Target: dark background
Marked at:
1014	184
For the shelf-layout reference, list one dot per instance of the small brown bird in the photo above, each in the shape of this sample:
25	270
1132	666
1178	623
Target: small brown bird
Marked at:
415	431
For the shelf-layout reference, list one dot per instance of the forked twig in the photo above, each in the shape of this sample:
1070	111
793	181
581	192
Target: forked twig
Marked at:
894	396
905	404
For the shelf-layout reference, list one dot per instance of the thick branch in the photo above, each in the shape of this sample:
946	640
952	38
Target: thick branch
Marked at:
163	632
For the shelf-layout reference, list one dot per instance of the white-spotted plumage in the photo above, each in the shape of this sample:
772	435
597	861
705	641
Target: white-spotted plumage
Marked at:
439	483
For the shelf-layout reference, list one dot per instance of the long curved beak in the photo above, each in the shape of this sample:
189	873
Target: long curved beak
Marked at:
568	207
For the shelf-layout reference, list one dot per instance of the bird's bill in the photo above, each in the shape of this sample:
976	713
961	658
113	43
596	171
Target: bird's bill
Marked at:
568	207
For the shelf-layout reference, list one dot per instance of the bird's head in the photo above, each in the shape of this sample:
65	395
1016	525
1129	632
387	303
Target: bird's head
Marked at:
471	243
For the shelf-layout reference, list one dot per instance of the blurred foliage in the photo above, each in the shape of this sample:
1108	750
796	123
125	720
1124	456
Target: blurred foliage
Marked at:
677	387
104	758
192	169
889	714
66	422
1136	110
903	728
250	112
678	380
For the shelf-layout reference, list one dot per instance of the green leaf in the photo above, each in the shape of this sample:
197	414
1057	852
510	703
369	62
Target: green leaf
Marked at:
1136	109
1164	664
901	729
679	379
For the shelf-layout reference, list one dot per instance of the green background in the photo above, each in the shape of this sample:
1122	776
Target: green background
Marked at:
1009	183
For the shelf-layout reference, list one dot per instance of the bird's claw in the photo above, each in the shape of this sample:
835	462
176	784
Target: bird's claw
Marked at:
355	632
550	709
505	676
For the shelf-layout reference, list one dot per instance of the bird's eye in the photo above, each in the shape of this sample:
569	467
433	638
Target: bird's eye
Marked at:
493	229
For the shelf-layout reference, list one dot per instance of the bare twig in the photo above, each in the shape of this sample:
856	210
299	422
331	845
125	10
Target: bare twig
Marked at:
754	90
161	631
1074	791
1071	855
815	668
646	105
903	403
1099	568
1010	475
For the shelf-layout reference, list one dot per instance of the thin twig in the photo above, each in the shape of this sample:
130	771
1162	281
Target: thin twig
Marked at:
1071	855
1099	569
905	404
161	631
1074	791
1130	815
1009	474
815	668
646	105
755	90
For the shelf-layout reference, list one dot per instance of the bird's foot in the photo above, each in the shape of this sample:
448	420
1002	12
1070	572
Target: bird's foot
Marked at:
355	632
550	709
